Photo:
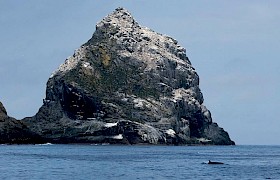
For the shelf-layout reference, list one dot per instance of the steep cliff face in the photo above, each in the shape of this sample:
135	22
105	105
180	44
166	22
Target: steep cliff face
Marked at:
127	84
13	131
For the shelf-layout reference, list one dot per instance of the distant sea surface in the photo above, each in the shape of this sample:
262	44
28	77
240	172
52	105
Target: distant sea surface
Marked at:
59	162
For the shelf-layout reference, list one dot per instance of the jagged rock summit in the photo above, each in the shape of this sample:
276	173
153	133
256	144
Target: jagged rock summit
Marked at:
3	111
127	85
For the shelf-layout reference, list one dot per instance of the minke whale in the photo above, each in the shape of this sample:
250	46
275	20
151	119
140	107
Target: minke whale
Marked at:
214	162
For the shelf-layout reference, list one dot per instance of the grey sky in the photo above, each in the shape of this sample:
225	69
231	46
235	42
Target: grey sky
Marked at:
233	45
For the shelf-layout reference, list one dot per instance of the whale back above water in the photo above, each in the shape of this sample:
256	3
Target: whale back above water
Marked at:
214	162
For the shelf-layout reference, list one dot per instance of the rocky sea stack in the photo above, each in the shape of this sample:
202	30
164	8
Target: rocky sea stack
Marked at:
13	131
126	85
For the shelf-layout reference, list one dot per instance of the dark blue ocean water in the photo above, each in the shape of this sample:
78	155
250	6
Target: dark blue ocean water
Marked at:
138	162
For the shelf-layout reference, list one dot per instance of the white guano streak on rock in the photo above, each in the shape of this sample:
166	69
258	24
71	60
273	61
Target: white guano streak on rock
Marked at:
170	132
110	124
138	103
86	64
120	136
183	93
203	140
180	93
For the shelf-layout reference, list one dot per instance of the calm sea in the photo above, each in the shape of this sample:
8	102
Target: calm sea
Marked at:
138	162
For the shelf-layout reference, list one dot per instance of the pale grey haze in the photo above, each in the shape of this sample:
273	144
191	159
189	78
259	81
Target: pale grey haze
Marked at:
233	45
